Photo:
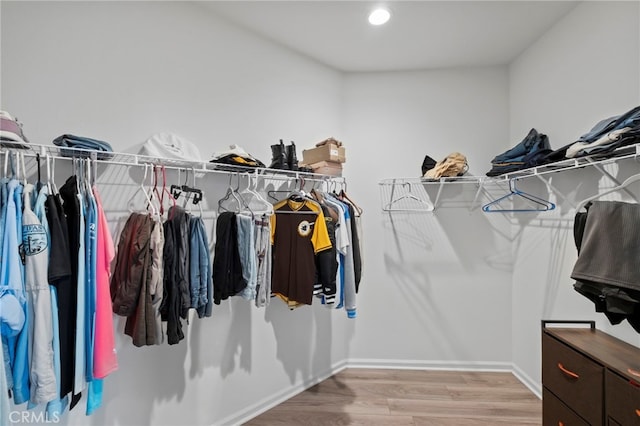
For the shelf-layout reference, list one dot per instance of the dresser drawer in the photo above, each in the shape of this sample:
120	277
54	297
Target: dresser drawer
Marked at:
622	399
555	413
575	379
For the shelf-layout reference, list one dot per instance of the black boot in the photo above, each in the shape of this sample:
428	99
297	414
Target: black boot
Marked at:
279	157
292	157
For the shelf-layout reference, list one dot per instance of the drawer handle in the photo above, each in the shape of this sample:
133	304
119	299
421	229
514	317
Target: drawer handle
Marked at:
560	424
567	372
633	372
638	412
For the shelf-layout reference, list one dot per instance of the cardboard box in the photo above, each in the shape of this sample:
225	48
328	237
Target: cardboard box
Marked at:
330	168
328	152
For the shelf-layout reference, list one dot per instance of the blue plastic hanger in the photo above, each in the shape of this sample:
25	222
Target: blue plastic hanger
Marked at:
544	205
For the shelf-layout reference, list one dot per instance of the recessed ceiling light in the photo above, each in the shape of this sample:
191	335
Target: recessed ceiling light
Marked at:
379	16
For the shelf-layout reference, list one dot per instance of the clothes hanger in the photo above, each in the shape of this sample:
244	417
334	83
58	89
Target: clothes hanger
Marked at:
22	169
624	184
291	193
47	162
298	196
230	195
250	194
423	205
165	190
542	204
320	198
87	179
191	190
53	176
39	183
343	195
141	188
7	156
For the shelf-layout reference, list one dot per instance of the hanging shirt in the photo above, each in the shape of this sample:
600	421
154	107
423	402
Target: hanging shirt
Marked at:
105	359
20	368
342	243
263	255
69	220
227	268
12	296
35	246
247	251
94	394
60	273
298	232
79	381
156	285
56	406
200	269
91	246
349	270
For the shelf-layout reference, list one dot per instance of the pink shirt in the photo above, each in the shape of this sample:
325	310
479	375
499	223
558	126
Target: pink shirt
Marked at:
105	360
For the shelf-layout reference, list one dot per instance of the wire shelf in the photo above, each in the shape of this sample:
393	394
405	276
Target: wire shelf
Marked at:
419	194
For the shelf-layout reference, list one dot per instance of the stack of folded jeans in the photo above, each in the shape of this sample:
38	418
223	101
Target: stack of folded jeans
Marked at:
608	135
82	147
530	152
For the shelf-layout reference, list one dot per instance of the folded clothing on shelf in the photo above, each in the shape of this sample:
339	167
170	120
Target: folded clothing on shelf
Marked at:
608	135
82	147
530	152
454	164
11	135
605	137
236	156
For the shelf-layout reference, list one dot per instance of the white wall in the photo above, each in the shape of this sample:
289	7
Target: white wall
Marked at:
121	71
438	289
586	68
433	295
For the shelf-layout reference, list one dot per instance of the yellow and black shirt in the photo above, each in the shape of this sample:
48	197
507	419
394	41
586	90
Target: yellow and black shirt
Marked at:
298	233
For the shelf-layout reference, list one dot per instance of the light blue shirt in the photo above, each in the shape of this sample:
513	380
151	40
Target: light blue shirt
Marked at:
21	393
80	350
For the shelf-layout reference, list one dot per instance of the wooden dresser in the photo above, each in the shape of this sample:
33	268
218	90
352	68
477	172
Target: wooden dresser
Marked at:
588	377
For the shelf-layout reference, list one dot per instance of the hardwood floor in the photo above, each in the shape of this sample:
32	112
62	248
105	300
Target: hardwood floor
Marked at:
374	397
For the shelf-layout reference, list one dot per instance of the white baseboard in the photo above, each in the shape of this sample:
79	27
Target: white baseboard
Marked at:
430	365
487	366
271	401
526	380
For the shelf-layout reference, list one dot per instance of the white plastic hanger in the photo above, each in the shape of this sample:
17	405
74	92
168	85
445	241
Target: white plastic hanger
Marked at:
420	204
231	196
141	188
250	194
624	184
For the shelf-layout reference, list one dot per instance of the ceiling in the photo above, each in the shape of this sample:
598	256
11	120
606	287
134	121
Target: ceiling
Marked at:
419	35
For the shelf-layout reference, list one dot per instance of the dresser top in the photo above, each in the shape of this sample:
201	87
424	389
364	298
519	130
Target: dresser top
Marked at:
618	355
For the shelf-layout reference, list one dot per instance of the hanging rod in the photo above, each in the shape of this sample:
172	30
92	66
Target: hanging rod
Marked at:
138	160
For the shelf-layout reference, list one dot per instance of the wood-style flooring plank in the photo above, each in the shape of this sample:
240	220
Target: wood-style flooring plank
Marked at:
500	393
457	421
410	397
377	389
403	376
465	409
323	418
305	402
